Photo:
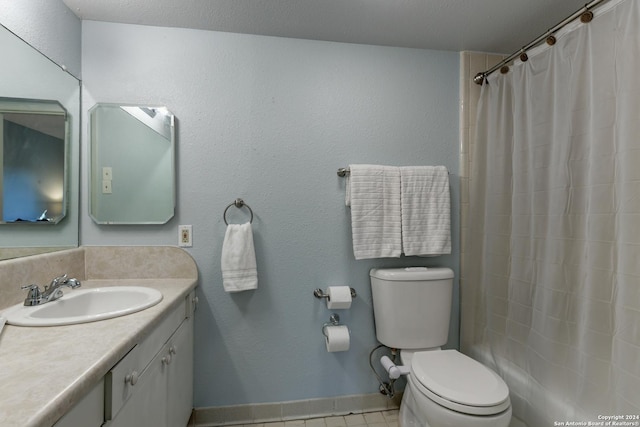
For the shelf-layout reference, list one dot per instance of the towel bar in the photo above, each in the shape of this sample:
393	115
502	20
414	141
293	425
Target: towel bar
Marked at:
238	203
342	172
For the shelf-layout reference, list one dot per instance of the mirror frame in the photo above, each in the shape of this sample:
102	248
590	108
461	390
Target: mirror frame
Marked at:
97	173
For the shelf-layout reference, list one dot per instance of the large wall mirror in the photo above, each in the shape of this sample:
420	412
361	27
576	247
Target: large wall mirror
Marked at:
33	136
39	116
132	164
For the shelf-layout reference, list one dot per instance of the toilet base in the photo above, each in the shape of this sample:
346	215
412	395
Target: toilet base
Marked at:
417	410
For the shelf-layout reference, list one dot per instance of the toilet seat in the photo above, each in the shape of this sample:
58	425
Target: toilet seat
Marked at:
458	382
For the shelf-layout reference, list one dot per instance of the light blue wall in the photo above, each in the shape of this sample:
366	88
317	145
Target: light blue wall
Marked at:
271	120
47	25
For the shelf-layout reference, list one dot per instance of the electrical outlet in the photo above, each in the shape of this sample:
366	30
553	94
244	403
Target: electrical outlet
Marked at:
185	236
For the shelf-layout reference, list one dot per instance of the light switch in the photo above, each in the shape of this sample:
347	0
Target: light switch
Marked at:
106	186
107	173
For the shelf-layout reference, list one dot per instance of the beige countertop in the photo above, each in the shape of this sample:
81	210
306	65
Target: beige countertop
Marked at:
45	371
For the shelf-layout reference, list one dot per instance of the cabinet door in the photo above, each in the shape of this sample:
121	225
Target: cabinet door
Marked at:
146	406
180	376
163	395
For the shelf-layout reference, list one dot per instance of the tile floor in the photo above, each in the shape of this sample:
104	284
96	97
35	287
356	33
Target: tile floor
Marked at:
370	419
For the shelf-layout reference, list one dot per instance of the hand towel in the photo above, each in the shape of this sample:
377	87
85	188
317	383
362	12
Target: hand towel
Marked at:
426	211
238	261
375	211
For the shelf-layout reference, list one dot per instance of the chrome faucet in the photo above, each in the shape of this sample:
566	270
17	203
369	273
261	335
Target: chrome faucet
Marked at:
51	291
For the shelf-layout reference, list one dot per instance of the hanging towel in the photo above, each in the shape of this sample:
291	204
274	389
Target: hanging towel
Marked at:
426	212
239	272
375	211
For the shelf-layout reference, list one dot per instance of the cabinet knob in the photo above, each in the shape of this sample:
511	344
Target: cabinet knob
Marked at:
166	360
132	378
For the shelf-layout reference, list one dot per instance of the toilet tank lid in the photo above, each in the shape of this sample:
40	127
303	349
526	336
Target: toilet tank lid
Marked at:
411	273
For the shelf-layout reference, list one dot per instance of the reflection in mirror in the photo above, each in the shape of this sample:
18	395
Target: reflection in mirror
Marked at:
32	147
132	164
29	75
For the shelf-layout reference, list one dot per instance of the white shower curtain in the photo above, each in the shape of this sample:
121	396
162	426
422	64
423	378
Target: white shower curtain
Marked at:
551	290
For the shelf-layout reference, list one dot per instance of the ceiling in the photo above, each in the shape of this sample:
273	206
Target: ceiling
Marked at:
499	26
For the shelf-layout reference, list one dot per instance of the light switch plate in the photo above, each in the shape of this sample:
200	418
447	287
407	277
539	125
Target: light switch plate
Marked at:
106	186
107	173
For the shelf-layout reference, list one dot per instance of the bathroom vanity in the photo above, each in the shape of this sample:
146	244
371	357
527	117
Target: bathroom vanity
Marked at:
133	370
151	385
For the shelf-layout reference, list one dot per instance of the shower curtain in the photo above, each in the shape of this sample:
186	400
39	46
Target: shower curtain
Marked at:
551	289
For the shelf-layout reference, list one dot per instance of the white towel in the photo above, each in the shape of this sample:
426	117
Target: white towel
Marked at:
238	261
375	211
426	212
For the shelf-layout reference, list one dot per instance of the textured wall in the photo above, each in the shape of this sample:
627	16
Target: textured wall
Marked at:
271	120
47	25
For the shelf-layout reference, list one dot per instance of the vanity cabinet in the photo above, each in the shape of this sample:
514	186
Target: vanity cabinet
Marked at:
151	386
155	388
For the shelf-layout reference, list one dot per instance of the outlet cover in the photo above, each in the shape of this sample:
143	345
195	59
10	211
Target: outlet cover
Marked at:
185	236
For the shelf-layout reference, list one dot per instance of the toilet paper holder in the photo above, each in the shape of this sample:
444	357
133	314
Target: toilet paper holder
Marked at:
334	320
319	293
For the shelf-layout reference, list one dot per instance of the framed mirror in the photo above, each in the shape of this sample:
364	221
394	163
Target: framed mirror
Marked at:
35	89
132	164
33	140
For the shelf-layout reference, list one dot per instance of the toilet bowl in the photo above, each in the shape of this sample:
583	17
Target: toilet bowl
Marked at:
445	388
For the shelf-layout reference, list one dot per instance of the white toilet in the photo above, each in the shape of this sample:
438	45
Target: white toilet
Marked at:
444	387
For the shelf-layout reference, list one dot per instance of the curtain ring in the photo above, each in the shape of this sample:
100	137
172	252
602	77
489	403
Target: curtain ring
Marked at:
586	17
551	39
523	56
504	69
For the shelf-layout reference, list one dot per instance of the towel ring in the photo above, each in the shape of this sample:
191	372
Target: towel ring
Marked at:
238	203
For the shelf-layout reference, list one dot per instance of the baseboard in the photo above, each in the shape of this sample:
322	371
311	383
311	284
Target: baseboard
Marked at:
292	410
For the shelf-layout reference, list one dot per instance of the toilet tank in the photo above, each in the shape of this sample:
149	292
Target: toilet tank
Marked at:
412	306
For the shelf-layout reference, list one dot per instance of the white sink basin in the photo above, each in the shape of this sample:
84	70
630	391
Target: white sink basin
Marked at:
85	305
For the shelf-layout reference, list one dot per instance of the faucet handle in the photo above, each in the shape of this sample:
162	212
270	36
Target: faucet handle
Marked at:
33	297
73	283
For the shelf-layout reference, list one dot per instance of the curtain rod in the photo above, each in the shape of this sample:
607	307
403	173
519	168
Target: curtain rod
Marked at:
585	16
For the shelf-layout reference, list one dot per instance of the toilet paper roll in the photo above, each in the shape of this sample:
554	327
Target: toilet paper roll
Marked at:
339	297
337	338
